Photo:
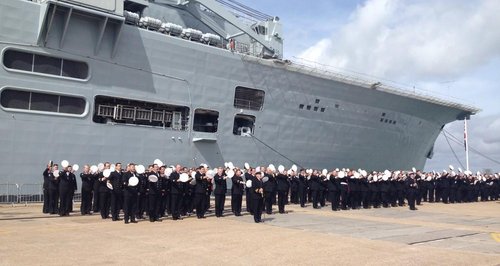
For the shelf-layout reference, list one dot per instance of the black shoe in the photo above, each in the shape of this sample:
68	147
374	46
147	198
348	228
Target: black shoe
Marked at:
126	222
134	221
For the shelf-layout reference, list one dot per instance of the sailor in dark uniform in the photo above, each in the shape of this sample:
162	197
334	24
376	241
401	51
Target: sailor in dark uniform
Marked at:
142	197
237	192
269	188
175	193
73	189
411	191
282	187
220	192
104	193
65	187
46	181
249	175
153	191
95	192
294	187
365	191
54	175
302	188
200	192
164	191
87	184
257	193
117	193
129	195
334	191
344	190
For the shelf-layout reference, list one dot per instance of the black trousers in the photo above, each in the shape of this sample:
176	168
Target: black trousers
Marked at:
344	199
86	205
282	197
105	202
53	201
411	195
116	204
64	201
249	202
302	197
257	207
220	199
200	204
96	204
46	204
163	204
142	205
175	204
236	200
334	197
294	196
129	205
153	207
268	202
385	198
315	198
322	198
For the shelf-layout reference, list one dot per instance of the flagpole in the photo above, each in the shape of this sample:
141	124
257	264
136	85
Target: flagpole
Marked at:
466	142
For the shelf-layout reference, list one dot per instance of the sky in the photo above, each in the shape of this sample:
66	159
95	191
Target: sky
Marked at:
445	48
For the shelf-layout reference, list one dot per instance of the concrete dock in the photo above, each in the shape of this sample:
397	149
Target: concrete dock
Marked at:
436	234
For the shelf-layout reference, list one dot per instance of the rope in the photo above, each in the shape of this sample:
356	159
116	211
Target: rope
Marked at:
279	153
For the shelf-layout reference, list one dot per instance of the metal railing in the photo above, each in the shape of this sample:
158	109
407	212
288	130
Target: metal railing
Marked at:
25	194
248	104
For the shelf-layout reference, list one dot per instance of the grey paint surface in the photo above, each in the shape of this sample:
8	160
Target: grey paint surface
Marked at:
151	66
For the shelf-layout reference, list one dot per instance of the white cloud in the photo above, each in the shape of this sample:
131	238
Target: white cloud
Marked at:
414	39
447	47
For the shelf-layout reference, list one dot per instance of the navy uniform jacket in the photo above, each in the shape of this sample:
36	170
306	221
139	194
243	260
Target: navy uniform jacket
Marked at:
201	184
270	185
87	181
256	184
220	185
175	187
282	183
238	187
46	179
129	189
314	182
116	181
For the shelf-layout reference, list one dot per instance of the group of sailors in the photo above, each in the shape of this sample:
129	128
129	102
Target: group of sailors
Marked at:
160	191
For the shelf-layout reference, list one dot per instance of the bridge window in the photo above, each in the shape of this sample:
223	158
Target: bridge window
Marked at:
205	120
43	64
243	125
109	110
250	99
45	102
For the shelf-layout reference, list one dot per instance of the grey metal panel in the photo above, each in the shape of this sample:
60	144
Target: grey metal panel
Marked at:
154	67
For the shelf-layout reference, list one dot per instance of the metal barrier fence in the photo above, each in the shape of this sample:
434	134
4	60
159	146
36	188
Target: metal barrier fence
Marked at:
25	194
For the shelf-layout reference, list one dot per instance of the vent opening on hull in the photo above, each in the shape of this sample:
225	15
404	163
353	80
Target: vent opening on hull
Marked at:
43	64
244	125
250	99
205	120
126	111
20	99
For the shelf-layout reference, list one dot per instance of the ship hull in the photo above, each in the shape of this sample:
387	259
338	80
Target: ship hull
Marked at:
351	132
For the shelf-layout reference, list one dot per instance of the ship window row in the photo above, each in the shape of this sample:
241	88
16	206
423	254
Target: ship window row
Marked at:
389	121
43	64
45	102
315	108
250	99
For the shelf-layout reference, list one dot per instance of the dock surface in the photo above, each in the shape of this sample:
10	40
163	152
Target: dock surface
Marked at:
436	234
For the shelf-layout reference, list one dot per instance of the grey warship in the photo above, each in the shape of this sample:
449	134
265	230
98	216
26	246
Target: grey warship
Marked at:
190	82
